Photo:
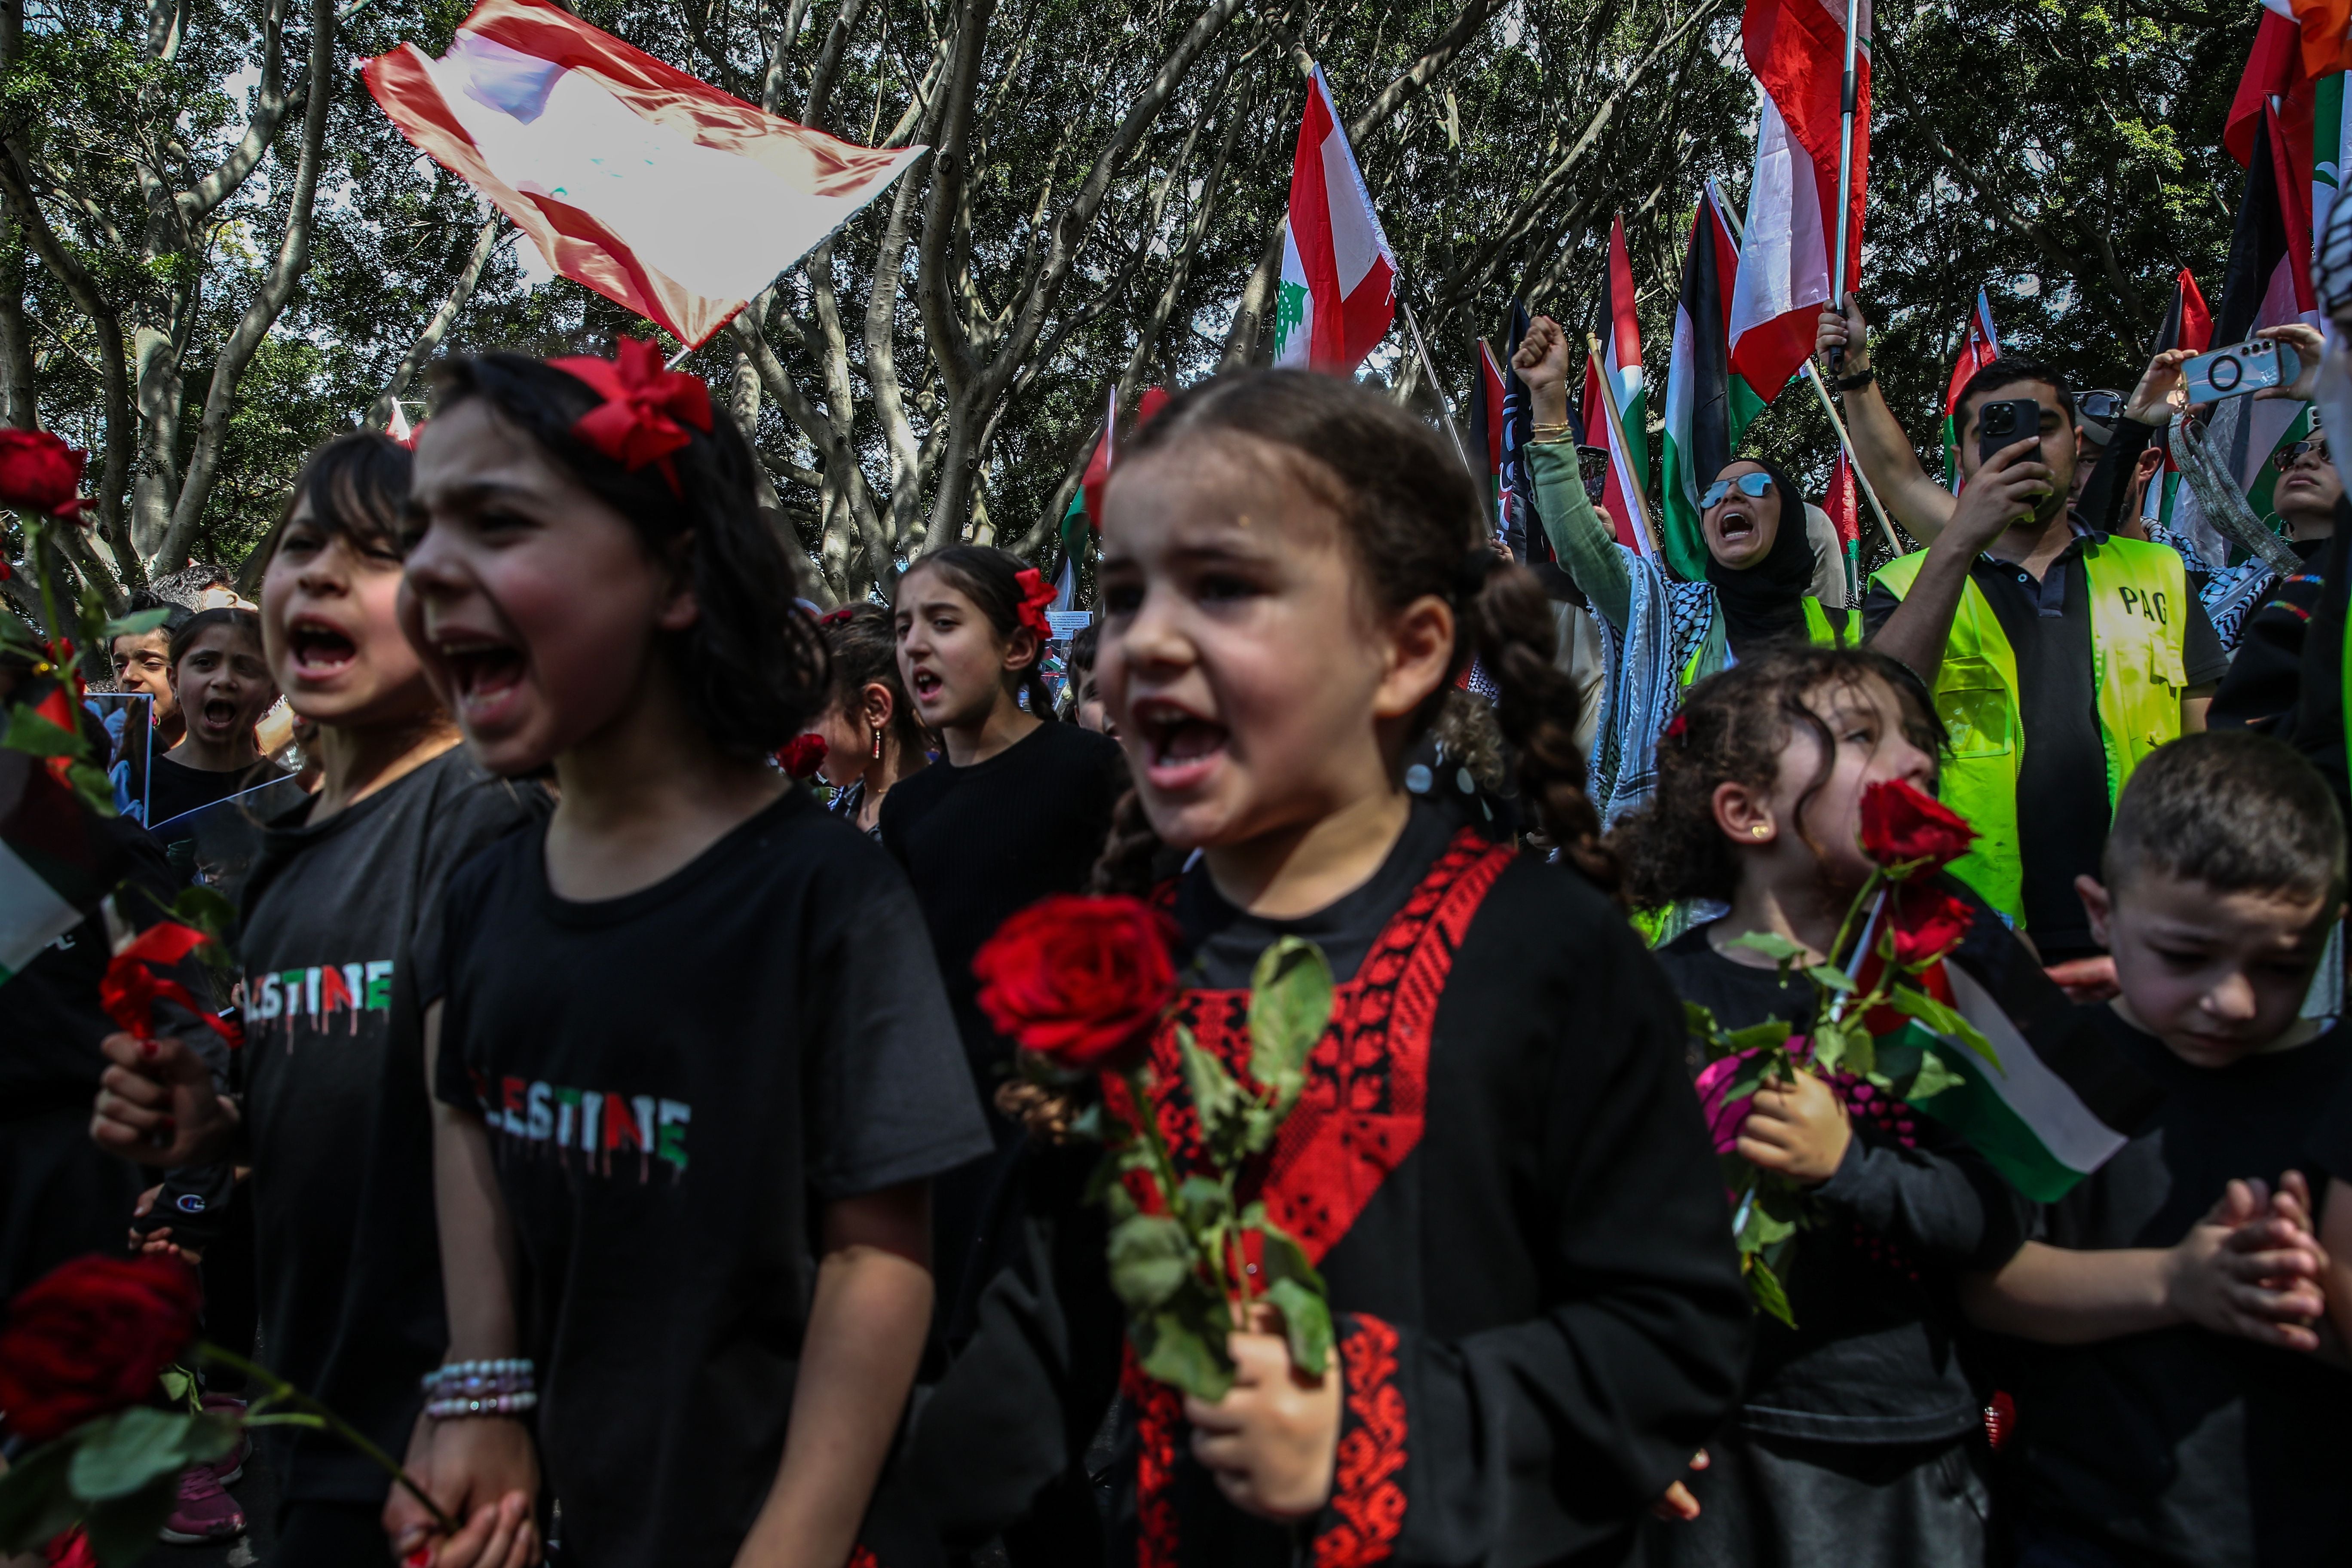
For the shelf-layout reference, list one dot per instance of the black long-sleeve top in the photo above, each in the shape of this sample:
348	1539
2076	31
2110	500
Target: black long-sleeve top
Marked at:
1874	1357
1502	1173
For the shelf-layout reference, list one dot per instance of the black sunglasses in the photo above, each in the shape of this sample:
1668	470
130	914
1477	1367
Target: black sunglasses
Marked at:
2101	405
2288	456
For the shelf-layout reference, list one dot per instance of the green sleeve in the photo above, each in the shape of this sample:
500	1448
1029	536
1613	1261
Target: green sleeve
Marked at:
1581	538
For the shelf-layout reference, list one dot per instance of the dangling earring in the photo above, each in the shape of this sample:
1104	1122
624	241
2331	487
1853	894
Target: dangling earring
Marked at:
878	742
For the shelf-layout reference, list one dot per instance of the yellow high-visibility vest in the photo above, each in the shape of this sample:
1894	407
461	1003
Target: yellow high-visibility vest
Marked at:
1824	627
2138	595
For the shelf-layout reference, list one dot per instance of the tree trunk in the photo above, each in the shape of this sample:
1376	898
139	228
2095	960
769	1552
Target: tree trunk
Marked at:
428	341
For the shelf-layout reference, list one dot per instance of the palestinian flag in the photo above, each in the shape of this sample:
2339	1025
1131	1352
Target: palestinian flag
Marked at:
2057	1103
2060	1102
2188	324
1979	347
1082	519
1708	404
1616	375
57	860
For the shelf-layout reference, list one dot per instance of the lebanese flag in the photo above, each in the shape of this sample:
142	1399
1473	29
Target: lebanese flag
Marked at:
1797	49
1784	261
634	179
1616	375
1979	347
1337	295
1708	403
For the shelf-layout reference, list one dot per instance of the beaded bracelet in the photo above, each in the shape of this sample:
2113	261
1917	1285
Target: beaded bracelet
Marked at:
477	1378
498	1405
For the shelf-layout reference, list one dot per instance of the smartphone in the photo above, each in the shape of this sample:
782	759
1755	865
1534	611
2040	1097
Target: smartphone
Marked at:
2239	369
2005	424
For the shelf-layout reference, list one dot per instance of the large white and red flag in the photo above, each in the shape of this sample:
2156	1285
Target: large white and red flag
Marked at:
1797	49
1337	298
1616	375
1784	262
634	179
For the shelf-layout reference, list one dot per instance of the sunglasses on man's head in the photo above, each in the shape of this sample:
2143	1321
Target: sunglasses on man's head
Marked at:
2288	456
2106	407
1750	485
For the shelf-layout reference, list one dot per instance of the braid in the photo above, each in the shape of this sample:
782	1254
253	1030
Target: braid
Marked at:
1125	865
1509	624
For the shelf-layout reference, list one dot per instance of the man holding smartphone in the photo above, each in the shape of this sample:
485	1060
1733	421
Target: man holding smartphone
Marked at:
2059	655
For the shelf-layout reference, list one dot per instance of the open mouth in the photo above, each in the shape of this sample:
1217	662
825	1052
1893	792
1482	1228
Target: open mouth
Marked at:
482	672
218	713
926	683
320	649
1181	747
1736	527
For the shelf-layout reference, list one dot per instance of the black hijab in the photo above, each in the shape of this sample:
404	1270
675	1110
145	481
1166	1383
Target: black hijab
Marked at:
1766	601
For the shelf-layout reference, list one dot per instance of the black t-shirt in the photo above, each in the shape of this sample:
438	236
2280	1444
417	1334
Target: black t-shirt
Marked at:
1227	941
1875	1356
174	789
2062	780
2181	1445
979	843
341	943
675	1081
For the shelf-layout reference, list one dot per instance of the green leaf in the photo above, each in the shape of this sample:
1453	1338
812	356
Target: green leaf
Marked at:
1306	1323
1290	1007
1772	944
1829	977
176	1384
1150	1258
1763	1228
30	732
210	1437
137	624
36	1502
1280	1256
1861	1053
1215	1096
1942	1020
122	1531
123	1452
1932	1079
1201	1202
1764	1289
1183	1345
1701	1023
1761	1037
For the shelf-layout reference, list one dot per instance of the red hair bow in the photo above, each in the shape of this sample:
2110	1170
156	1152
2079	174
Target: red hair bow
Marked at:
643	403
1035	594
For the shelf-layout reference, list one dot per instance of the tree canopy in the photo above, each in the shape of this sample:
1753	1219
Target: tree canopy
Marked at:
218	252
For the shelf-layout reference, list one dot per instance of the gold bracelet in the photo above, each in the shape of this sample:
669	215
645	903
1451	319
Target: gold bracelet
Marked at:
1551	432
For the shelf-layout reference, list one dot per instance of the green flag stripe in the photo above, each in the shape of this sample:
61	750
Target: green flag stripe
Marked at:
1974	1110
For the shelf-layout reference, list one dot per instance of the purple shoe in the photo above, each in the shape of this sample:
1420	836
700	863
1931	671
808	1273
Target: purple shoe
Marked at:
229	1469
205	1513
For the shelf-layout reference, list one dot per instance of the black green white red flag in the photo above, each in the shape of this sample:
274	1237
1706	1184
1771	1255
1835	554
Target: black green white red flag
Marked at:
1616	376
1979	347
1708	403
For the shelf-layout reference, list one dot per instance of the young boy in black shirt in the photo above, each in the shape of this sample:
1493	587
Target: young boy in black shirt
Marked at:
2168	1412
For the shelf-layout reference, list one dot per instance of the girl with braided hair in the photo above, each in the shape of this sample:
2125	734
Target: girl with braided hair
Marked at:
1859	1438
1293	574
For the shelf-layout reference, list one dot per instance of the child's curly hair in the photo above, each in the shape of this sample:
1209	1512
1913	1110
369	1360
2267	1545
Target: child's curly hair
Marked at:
1732	730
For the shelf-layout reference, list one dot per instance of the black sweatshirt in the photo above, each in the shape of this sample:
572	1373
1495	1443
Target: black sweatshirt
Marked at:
1501	1172
1873	1358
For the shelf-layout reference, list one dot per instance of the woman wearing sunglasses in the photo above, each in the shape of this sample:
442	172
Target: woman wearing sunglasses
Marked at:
1758	588
2266	673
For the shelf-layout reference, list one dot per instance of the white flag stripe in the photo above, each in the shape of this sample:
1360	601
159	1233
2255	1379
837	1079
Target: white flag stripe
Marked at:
1682	398
2075	1137
1357	237
1784	261
32	915
1293	339
718	224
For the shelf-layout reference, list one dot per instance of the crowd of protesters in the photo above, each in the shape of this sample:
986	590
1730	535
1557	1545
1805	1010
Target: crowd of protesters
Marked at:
623	1138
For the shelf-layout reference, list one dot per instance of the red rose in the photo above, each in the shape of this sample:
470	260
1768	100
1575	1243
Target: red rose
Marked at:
1927	923
800	755
1079	981
40	473
91	1337
1901	827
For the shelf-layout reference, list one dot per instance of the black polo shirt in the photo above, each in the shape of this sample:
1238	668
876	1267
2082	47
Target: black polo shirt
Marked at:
2061	784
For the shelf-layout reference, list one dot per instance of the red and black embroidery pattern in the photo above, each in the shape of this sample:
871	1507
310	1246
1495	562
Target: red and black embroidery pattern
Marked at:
1359	1117
1366	1493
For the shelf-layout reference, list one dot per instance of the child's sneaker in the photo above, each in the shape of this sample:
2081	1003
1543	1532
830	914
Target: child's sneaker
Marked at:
229	1469
205	1513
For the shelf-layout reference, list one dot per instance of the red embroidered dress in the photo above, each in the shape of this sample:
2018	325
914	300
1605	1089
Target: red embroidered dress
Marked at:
1501	1173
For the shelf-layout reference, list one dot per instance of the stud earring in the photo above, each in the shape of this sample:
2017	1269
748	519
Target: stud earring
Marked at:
1761	830
877	742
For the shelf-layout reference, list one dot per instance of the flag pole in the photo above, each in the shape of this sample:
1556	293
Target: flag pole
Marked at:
1617	434
1845	164
1821	391
1444	403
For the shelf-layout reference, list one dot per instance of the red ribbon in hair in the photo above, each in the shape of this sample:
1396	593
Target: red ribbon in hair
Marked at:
130	989
1035	594
639	422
